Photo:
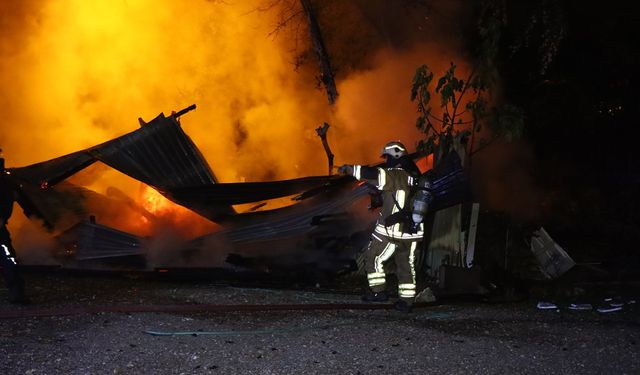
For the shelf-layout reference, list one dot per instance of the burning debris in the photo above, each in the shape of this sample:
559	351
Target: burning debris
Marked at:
323	228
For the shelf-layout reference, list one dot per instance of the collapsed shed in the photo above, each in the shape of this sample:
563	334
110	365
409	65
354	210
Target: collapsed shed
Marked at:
323	232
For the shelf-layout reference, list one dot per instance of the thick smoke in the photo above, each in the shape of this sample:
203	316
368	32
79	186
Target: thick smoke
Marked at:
77	73
502	177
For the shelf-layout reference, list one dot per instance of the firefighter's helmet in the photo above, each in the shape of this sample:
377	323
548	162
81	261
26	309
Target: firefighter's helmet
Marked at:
394	149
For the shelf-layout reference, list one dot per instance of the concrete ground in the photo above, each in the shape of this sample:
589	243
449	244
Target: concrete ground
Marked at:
452	337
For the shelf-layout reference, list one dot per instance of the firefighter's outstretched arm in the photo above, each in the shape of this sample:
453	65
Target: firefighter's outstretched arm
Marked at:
360	172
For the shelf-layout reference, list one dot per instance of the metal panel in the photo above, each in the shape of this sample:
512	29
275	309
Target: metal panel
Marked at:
159	154
48	173
100	242
552	258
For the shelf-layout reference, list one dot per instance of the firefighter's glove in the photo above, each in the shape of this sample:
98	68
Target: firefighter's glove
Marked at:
345	169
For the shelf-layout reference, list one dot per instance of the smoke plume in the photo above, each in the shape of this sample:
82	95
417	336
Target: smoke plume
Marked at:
78	73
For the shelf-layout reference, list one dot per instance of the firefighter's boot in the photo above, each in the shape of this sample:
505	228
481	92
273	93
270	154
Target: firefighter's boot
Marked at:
371	296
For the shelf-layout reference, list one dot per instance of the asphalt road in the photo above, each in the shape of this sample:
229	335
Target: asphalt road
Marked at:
453	337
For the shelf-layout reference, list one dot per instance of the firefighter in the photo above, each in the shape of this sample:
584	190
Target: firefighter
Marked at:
12	278
395	179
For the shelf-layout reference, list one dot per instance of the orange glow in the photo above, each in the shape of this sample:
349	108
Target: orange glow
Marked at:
425	163
159	213
78	73
155	203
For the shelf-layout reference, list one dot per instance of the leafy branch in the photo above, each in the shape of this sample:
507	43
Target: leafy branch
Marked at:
464	108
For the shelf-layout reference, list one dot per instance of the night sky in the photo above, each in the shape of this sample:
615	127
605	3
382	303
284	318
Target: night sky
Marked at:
582	122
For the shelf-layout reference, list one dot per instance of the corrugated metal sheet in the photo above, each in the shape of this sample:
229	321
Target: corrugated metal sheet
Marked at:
205	200
552	258
159	154
290	221
55	170
94	242
450	184
248	192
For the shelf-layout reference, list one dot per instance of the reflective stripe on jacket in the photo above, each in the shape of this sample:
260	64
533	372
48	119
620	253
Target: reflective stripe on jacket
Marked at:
395	184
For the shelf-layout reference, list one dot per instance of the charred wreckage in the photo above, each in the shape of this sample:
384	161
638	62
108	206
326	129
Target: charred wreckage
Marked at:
321	235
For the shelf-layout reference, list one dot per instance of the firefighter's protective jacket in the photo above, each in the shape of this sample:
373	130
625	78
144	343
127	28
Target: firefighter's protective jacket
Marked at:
395	184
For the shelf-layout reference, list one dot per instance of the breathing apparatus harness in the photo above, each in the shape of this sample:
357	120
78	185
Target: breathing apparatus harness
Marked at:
413	214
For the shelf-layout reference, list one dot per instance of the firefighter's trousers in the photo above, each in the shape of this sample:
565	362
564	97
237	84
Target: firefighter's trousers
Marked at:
381	249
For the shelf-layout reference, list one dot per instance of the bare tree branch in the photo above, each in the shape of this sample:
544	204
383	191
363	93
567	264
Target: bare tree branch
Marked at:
326	73
322	133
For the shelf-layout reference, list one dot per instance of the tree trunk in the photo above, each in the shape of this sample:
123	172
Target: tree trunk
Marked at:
326	74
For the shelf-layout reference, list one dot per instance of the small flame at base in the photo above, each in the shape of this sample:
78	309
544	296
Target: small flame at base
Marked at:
162	214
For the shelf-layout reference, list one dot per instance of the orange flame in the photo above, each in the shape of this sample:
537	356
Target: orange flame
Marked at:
155	203
77	73
161	213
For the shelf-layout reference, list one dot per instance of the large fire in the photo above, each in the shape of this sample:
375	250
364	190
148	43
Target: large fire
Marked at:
78	73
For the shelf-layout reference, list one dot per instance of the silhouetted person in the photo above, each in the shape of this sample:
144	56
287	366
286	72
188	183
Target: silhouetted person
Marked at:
12	278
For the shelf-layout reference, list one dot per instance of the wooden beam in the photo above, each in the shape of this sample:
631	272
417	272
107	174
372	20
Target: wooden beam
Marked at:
322	133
